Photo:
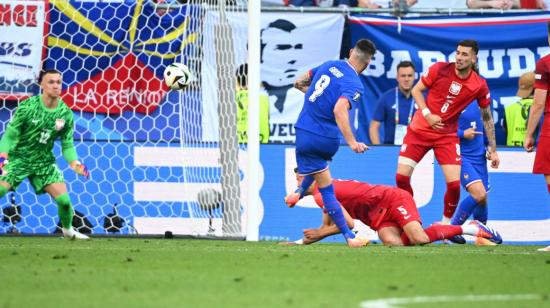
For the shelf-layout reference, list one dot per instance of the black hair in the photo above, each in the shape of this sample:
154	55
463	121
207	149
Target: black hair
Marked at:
366	46
47	71
405	63
242	75
281	24
469	43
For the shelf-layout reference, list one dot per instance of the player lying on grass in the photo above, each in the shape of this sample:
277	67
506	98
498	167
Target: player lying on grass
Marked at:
28	143
388	210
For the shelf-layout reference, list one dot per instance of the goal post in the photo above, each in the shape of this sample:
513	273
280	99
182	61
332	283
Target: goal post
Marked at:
160	160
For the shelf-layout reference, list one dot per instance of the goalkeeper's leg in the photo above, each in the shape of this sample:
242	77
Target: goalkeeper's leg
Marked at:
3	189
65	210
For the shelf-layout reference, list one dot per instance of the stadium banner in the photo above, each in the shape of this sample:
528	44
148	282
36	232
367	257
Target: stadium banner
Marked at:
510	45
21	40
153	199
111	67
292	43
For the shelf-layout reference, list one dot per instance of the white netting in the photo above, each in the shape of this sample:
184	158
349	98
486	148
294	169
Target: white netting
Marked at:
151	152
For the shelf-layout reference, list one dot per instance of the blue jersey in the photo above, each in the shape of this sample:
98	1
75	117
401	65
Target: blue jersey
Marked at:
473	150
330	81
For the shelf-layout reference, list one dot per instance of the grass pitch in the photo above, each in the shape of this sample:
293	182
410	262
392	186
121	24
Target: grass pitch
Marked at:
52	272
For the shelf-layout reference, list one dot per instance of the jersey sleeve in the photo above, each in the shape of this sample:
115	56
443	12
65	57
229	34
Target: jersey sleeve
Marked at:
380	112
541	75
430	75
484	96
352	94
67	141
312	71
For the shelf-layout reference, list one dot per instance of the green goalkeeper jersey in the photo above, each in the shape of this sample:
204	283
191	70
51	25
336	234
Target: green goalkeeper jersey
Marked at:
35	128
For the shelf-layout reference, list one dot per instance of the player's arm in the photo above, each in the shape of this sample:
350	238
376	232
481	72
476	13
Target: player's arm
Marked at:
489	126
341	115
303	82
69	151
418	96
374	132
327	229
534	117
11	135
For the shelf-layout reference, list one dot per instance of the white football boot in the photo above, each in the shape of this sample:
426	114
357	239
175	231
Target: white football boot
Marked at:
72	234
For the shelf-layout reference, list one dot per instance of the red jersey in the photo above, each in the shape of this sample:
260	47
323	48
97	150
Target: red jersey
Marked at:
358	198
542	81
448	96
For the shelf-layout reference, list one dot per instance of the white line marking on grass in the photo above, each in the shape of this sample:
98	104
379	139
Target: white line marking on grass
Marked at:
393	302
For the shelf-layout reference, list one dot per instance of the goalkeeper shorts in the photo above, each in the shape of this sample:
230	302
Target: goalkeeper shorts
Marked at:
39	176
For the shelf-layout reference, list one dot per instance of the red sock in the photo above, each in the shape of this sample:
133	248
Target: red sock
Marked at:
441	232
452	196
404	182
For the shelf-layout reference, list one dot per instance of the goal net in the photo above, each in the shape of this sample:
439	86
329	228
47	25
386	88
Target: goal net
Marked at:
160	160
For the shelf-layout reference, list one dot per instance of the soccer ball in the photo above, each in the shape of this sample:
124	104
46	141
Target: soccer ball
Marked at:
177	76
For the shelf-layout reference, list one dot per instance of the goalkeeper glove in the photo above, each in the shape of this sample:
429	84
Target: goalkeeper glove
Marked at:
80	168
3	162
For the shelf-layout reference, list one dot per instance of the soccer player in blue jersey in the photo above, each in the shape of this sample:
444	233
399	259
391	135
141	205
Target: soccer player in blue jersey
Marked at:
331	90
474	175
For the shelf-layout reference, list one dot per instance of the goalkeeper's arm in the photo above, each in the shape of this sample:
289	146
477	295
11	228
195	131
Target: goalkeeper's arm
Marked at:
69	153
7	141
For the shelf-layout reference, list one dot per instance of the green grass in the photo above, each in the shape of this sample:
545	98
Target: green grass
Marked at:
51	272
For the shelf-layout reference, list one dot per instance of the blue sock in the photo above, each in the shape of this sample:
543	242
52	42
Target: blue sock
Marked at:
306	183
481	213
464	210
334	210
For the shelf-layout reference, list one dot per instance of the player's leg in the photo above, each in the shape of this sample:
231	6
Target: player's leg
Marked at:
390	235
48	179
58	191
312	155
547	177
332	206
447	153
410	154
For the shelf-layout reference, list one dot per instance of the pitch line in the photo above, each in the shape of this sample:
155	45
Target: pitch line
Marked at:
394	302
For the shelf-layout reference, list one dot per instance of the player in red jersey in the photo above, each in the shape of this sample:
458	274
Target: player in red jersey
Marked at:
389	210
541	104
453	86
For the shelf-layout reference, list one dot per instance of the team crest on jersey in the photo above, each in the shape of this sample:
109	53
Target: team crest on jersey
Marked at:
356	96
59	124
466	176
455	87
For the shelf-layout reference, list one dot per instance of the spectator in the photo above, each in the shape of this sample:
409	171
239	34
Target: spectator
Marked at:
493	4
515	121
395	108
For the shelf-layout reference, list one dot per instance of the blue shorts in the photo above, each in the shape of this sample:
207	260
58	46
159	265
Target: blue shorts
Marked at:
313	152
474	172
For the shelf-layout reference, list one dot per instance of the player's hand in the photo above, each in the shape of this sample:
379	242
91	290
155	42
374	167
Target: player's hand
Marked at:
471	133
434	121
529	144
3	162
291	199
357	242
358	147
493	157
80	168
312	235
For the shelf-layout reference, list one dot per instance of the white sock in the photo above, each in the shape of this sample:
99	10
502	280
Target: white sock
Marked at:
470	229
446	220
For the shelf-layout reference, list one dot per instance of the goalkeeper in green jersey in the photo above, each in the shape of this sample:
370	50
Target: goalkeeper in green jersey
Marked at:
28	143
